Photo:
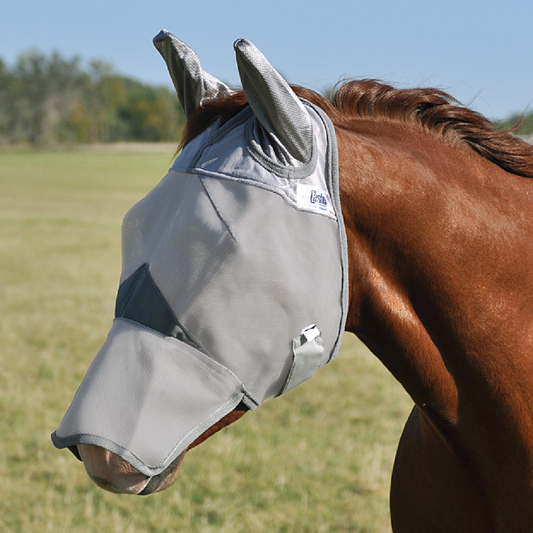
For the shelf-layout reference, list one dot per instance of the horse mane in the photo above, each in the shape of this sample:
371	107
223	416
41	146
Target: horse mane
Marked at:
431	109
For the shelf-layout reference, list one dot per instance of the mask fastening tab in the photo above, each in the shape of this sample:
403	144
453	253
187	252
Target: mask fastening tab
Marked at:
307	350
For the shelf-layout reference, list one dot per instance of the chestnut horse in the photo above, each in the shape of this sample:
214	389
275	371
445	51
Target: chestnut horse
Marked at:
438	211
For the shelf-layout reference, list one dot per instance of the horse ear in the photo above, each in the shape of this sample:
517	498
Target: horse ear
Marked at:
273	102
192	83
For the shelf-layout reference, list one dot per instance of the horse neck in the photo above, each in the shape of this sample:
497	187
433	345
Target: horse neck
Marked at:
440	268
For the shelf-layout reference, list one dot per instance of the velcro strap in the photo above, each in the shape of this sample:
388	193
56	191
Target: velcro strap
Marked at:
307	350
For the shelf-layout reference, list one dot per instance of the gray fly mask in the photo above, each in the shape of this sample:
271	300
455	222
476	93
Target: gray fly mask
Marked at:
234	274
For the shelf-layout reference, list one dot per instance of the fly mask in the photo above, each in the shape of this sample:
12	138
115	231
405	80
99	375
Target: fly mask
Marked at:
234	273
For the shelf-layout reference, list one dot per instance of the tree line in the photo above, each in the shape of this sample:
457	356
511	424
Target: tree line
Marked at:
51	99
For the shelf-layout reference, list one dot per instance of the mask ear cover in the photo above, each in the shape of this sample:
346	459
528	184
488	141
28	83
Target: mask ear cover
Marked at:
275	105
193	85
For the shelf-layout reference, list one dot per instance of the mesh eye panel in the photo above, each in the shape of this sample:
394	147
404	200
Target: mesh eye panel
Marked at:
139	300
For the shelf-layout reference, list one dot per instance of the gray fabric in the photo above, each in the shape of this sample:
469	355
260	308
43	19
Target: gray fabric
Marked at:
128	399
275	105
233	289
191	82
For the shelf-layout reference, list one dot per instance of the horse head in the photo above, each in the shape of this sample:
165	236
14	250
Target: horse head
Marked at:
233	286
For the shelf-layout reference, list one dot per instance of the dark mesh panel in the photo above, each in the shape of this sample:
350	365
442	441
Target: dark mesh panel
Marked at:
140	300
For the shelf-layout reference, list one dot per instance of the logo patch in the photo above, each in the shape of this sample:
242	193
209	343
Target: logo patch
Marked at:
311	198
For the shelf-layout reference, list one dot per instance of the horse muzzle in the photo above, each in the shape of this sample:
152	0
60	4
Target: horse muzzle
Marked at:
113	474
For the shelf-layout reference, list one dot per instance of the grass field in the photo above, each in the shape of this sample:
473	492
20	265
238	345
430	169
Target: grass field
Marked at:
316	460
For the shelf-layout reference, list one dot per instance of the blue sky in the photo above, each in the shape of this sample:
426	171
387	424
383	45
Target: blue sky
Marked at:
479	51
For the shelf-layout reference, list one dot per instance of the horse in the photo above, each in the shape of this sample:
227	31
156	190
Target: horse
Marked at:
437	207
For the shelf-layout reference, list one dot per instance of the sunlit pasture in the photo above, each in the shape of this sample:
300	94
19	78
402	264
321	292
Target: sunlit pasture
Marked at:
317	459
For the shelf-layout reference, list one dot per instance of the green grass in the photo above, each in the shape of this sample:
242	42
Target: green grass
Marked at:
316	460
